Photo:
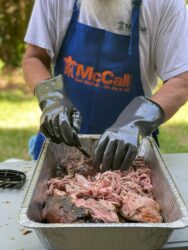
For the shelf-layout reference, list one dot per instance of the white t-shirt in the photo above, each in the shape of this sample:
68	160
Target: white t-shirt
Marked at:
163	31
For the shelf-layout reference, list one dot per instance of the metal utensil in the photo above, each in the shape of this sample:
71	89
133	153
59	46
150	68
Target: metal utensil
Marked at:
11	178
83	151
80	147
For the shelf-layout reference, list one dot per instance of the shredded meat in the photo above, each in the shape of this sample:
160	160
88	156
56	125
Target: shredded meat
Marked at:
111	195
101	210
76	163
140	208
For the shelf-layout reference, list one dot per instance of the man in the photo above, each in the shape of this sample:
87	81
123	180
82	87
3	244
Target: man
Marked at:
109	53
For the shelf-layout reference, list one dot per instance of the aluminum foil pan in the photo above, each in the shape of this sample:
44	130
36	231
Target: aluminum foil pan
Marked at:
103	236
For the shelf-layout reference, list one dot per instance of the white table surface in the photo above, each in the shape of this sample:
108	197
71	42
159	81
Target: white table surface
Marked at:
12	238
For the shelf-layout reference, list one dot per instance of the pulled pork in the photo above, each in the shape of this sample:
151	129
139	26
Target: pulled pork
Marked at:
109	197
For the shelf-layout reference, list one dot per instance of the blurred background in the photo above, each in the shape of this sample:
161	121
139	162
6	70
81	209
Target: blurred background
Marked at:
19	112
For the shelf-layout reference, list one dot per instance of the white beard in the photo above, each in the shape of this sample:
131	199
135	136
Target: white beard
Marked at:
98	6
106	13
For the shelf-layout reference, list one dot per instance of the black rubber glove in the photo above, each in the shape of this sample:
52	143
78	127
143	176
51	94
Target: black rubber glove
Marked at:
118	146
59	121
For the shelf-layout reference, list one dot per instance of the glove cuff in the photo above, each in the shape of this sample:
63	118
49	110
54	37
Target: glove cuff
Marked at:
156	108
142	113
43	88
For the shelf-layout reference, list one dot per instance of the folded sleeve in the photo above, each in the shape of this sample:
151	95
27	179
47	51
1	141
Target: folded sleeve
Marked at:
41	29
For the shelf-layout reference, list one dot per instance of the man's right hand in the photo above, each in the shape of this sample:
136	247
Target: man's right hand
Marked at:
59	121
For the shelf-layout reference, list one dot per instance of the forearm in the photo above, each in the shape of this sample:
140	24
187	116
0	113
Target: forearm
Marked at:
35	71
172	95
36	65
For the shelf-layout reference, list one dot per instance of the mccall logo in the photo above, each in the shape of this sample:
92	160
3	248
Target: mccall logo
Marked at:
87	75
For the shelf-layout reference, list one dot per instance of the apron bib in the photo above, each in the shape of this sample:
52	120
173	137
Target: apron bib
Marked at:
101	71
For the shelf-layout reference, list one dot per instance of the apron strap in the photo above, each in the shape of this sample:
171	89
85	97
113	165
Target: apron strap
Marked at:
134	26
76	11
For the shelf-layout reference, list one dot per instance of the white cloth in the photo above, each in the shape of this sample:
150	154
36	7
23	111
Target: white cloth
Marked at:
163	31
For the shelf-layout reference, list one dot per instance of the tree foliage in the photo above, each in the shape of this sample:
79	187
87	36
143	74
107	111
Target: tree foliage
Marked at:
14	16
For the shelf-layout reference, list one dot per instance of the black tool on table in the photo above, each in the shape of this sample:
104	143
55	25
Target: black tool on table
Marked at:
11	178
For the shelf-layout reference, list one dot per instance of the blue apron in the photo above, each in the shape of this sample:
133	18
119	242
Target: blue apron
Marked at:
101	70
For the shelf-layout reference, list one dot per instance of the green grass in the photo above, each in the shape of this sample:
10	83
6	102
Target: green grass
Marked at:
174	133
19	110
14	142
19	119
